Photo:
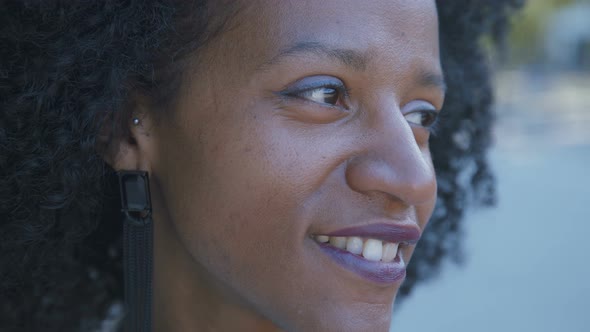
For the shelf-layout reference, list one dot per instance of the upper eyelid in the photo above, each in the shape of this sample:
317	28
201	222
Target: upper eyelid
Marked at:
419	105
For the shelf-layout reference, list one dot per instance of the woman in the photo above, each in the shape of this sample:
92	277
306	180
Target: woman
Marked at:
287	147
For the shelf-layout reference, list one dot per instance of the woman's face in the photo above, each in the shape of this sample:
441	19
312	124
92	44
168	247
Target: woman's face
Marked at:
303	122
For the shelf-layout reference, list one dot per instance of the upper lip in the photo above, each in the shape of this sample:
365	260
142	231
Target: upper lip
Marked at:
394	233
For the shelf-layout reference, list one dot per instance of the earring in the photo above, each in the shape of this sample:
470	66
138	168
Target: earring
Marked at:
135	196
137	249
136	121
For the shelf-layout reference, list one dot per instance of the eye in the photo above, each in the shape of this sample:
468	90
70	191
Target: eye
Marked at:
425	118
323	90
323	95
421	113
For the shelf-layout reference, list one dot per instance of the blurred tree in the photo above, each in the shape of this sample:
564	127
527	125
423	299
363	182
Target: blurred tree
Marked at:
528	29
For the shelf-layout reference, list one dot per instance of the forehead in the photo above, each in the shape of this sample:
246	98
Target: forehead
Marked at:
397	34
364	23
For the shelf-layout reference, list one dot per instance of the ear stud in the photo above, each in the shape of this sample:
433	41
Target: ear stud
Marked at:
136	121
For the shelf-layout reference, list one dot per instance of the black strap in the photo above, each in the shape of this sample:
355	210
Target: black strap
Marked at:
138	243
137	249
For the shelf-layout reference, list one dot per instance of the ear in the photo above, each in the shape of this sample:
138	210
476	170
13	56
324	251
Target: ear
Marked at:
130	149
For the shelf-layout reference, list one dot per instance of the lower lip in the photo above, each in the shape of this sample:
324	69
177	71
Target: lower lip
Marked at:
377	272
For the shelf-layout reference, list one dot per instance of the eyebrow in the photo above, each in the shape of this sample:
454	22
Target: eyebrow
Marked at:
349	57
431	79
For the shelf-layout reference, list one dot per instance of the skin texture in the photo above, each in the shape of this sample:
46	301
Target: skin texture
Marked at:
242	175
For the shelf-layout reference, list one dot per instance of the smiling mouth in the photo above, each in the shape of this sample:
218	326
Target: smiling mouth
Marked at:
369	249
374	252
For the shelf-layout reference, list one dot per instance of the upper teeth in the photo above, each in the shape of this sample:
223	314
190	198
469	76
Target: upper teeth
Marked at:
371	249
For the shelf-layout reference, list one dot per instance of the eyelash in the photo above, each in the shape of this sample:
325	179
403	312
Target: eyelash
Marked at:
435	126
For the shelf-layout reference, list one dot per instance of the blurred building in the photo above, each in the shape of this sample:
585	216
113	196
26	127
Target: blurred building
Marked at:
567	37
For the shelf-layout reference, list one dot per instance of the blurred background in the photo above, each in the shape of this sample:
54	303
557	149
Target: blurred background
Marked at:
527	260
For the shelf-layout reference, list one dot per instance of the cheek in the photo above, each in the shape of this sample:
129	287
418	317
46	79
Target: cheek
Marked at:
236	203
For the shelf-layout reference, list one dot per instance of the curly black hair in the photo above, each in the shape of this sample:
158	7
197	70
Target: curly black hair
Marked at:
69	68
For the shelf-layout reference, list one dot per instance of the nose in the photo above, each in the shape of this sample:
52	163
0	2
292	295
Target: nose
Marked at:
392	162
